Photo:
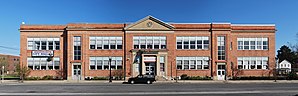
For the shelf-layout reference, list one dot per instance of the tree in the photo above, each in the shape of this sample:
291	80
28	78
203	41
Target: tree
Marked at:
3	62
285	53
23	72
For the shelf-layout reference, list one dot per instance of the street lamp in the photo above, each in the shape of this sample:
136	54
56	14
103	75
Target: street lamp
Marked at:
110	60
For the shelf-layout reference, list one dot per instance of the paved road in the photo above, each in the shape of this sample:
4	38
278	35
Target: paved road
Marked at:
157	89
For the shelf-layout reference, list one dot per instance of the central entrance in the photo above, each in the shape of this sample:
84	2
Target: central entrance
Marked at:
221	72
150	68
76	71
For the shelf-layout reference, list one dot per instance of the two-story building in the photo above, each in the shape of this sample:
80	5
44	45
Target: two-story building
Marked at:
150	47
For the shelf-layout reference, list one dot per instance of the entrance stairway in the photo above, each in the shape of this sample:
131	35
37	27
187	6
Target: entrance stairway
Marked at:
161	78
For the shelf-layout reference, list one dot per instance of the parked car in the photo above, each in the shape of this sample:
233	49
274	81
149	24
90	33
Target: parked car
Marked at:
142	79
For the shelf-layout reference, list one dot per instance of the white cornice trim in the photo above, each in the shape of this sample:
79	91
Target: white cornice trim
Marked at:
42	30
252	24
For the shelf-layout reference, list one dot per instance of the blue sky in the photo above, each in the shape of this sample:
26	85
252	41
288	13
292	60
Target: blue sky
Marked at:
13	12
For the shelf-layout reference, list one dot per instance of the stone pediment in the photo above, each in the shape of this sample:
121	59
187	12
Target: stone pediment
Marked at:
149	23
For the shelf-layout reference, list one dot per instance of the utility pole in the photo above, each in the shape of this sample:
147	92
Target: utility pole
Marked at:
110	60
2	74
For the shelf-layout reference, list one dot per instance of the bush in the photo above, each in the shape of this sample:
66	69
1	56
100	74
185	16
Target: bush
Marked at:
47	77
185	77
292	76
32	78
100	78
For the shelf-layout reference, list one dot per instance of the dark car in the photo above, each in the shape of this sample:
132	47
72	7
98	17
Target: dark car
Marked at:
142	79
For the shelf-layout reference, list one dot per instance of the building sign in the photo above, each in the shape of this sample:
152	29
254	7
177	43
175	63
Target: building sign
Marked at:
149	59
43	53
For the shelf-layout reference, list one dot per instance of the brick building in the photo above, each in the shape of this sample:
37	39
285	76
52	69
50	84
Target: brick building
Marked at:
149	46
10	62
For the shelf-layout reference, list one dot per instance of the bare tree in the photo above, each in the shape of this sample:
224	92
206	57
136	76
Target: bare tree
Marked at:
23	72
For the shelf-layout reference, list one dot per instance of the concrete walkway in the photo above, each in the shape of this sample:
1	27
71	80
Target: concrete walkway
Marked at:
173	81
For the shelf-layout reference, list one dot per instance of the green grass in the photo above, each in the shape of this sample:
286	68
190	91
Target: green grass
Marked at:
9	77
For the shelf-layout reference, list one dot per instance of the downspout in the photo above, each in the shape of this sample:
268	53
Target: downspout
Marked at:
211	51
124	43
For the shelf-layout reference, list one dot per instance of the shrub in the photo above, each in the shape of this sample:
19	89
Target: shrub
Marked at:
100	78
32	78
185	77
47	77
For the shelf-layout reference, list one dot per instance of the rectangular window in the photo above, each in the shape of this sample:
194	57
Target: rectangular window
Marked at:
92	42
179	42
186	43
99	63
192	63
252	62
179	62
149	42
57	43
92	63
77	47
119	42
192	42
30	43
42	63
162	63
143	42
102	63
265	43
252	43
105	42
56	63
221	48
199	43
42	43
99	42
205	43
136	43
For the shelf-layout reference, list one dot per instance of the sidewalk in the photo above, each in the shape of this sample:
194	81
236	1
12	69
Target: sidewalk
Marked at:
159	82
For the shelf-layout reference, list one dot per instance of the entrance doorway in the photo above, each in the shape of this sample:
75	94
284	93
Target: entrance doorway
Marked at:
76	71
221	72
150	68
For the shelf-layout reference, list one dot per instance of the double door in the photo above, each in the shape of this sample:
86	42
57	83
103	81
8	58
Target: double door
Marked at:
76	72
150	68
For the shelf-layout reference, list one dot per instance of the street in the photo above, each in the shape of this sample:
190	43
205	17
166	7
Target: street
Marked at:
156	89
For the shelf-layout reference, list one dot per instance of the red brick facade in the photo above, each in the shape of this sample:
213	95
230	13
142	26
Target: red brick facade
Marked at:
155	28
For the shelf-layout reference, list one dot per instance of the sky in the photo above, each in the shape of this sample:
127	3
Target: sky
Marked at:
282	13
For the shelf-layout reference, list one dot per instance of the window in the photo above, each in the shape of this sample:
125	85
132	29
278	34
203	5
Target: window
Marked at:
252	43
192	42
98	42
92	42
43	44
186	43
252	62
43	64
105	42
205	42
192	63
113	42
179	42
149	42
92	63
162	63
221	48
56	63
265	43
102	63
77	47
179	62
